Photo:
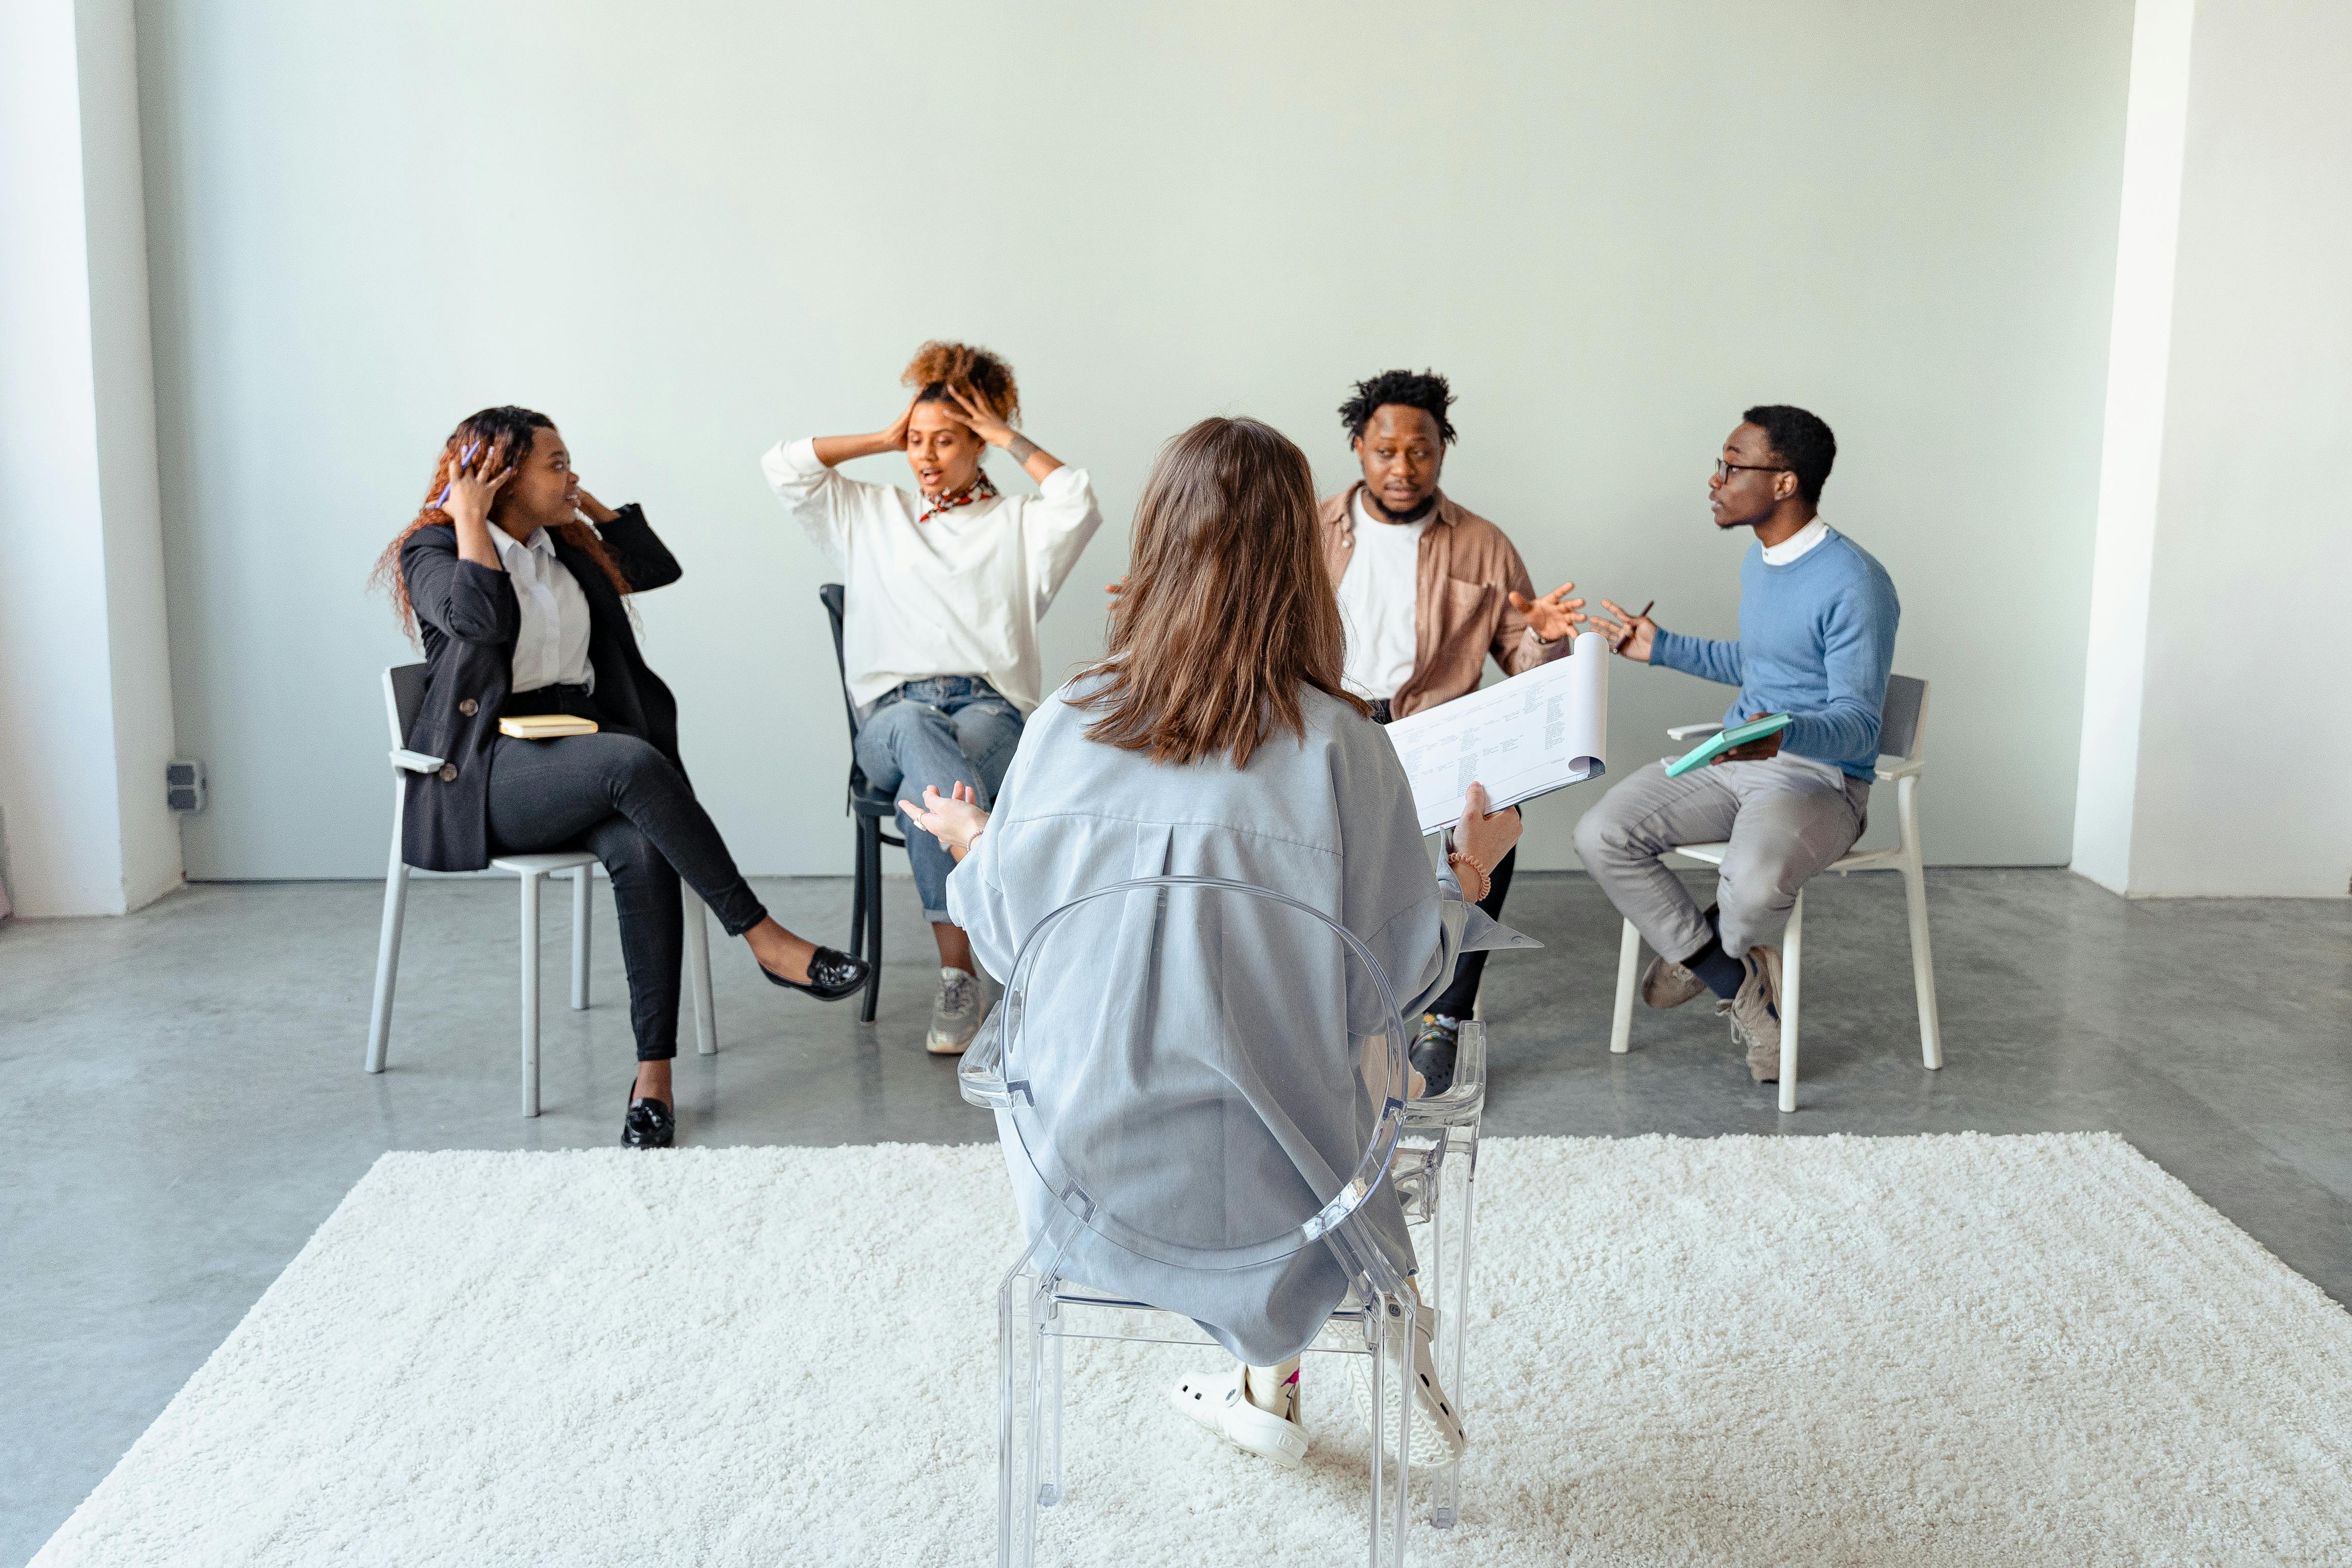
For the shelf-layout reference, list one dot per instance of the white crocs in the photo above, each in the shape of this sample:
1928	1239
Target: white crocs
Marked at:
1438	1439
1218	1403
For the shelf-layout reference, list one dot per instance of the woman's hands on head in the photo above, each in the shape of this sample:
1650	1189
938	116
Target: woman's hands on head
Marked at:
977	414
1484	837
593	509
472	486
892	437
954	819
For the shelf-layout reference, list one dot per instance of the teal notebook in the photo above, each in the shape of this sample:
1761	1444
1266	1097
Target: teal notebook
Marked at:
1724	740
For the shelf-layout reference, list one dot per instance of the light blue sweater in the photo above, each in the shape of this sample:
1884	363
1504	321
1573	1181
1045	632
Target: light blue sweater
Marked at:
1816	640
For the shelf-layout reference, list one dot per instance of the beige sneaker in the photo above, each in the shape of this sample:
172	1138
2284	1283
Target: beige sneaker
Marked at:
1755	1014
955	1013
1666	984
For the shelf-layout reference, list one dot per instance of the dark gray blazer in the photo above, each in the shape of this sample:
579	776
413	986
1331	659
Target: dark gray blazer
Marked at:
468	620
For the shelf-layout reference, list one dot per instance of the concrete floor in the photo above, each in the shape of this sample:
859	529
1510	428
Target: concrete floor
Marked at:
187	1102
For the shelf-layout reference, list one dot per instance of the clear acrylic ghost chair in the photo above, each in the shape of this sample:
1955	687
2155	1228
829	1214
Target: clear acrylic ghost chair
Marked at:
403	697
1901	734
1133	1060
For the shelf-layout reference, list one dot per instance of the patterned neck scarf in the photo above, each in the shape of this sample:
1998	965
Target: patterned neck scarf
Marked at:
980	489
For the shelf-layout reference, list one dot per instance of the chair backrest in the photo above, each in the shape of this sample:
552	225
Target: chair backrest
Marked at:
1904	719
403	699
1205	1074
834	597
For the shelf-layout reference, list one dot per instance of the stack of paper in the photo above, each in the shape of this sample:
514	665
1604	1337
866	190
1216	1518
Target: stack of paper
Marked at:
545	725
1522	737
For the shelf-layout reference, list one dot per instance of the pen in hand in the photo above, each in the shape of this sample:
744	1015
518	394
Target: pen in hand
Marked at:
1631	630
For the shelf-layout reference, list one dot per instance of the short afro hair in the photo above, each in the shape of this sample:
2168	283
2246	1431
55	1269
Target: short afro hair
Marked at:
1427	391
938	365
1802	441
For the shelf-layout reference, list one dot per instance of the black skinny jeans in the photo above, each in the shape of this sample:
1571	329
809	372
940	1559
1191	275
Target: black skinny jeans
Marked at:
1458	997
619	799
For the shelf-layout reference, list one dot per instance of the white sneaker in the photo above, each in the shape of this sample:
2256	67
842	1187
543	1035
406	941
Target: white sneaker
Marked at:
955	1013
1218	1403
1438	1439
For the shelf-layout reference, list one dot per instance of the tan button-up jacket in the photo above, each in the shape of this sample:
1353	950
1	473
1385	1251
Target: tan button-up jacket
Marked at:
1462	602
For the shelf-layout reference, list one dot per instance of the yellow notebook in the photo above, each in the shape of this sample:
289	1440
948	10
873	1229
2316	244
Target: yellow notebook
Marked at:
545	725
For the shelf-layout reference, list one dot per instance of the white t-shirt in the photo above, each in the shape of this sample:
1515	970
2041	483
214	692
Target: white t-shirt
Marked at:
552	645
960	595
1377	595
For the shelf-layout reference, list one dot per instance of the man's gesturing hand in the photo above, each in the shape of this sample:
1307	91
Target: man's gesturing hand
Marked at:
1552	616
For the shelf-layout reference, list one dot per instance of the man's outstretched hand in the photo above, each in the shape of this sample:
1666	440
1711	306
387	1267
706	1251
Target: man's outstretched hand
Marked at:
1553	615
1629	634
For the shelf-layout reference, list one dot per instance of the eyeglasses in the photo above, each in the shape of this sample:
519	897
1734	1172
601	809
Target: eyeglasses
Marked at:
1724	470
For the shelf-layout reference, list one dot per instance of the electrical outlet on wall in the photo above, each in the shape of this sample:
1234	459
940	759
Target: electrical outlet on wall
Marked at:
183	785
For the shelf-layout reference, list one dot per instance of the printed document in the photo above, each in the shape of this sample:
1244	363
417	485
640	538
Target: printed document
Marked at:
1522	737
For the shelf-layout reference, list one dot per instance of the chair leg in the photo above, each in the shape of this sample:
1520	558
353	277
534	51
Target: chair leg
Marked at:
1629	960
1024	1305
1915	894
530	880
1389	1320
582	883
1452	1304
698	974
387	958
1049	1426
873	921
1792	981
857	892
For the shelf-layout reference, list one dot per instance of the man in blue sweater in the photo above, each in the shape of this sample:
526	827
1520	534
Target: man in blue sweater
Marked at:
1817	619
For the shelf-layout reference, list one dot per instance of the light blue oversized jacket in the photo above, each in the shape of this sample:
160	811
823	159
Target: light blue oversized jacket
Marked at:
1193	1057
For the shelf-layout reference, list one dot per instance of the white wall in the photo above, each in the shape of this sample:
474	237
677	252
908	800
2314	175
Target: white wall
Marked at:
85	694
687	232
2228	698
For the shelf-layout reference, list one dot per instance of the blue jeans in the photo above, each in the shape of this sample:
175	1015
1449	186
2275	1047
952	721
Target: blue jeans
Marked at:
943	731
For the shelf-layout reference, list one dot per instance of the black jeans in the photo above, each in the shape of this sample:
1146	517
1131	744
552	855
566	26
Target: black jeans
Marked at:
1456	1001
615	795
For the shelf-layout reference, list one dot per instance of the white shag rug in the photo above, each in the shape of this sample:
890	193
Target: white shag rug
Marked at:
1835	1350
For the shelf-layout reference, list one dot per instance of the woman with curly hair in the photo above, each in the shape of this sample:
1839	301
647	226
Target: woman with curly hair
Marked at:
945	587
518	599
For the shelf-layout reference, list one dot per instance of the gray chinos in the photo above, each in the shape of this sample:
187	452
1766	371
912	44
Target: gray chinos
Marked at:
1785	817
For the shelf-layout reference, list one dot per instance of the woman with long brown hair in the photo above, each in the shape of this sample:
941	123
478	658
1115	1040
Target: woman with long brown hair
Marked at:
514	579
1215	739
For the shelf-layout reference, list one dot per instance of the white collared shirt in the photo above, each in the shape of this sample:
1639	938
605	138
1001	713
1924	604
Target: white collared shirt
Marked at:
552	648
1379	594
1796	544
959	595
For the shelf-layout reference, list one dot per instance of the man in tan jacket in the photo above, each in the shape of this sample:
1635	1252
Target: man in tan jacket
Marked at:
1428	590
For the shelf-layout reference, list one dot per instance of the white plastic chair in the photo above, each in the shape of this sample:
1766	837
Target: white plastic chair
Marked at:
1901	726
403	695
1013	1067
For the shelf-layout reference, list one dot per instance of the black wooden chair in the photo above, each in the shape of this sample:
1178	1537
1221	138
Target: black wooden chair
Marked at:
872	808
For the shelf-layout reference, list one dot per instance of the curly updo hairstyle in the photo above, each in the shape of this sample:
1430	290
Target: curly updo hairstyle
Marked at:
938	366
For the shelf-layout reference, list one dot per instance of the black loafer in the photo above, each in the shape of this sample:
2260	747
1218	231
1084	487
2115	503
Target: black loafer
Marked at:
832	976
649	1125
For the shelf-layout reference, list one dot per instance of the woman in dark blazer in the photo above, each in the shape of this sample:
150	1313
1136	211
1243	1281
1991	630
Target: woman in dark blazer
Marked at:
520	604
